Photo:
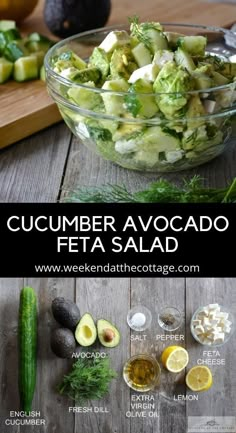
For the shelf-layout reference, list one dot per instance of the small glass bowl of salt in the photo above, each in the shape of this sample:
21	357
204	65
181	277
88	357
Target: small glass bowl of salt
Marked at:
139	318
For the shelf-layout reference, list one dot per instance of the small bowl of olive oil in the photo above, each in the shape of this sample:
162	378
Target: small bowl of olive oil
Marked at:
142	372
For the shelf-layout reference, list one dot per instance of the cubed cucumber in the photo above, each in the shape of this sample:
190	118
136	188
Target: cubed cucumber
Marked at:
39	56
140	101
14	50
33	46
88	74
114	104
12	35
184	59
157	39
84	98
172	38
142	55
37	37
228	69
42	73
219	79
6	69
26	68
194	45
7	25
202	81
160	140
2	42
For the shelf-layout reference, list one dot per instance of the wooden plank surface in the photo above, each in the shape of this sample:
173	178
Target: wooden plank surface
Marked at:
33	169
111	299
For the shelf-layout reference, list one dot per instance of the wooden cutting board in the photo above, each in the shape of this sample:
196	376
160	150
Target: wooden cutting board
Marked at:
26	108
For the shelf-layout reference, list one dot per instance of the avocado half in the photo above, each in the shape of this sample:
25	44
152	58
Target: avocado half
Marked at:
108	334
86	331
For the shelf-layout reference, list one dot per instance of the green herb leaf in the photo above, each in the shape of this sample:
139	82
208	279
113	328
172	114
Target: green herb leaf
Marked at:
89	379
161	191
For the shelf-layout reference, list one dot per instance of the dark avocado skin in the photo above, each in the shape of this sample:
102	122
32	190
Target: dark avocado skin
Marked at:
65	312
63	342
67	17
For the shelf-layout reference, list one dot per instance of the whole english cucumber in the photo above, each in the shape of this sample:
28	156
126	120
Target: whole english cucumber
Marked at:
27	347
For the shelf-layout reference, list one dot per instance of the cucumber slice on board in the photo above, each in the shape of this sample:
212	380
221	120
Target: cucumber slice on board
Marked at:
6	69
26	68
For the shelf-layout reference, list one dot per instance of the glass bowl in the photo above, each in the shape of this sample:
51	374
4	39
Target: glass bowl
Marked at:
227	335
142	372
139	310
170	318
190	141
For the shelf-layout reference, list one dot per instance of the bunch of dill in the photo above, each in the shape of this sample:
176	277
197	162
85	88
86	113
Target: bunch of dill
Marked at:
89	379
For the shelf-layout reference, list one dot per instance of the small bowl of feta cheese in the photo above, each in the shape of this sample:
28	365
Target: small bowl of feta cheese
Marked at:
212	325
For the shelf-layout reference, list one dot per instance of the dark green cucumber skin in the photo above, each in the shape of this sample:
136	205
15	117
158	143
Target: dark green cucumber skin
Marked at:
27	347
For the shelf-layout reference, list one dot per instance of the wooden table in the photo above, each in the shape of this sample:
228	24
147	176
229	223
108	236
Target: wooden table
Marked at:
111	299
43	167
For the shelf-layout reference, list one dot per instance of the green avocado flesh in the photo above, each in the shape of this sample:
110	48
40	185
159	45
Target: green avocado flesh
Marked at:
108	334
86	332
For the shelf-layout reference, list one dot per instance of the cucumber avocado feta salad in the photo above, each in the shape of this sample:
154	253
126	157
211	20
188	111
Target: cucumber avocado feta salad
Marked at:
146	98
21	58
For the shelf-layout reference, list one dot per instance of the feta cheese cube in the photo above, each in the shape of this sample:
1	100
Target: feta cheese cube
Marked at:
221	315
219	338
147	72
114	39
214	307
82	130
203	313
199	329
197	322
227	329
163	56
174	155
126	146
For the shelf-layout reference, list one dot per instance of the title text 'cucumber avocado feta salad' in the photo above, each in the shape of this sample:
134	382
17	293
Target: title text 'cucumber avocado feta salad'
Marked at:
149	99
21	58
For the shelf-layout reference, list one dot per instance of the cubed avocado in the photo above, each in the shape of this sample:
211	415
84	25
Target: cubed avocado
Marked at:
122	63
108	334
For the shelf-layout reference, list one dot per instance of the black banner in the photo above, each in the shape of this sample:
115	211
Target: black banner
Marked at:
95	240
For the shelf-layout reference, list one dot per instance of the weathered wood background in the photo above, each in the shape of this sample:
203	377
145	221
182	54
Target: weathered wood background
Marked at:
111	299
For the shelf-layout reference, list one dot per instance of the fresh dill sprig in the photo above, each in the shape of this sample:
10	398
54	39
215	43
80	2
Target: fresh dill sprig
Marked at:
89	379
161	191
137	30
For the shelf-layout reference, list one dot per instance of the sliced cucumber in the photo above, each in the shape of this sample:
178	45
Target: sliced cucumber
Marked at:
219	79
6	69
157	39
42	73
142	55
37	37
194	45
34	46
40	57
184	59
172	38
7	25
12	35
26	68
14	50
114	104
